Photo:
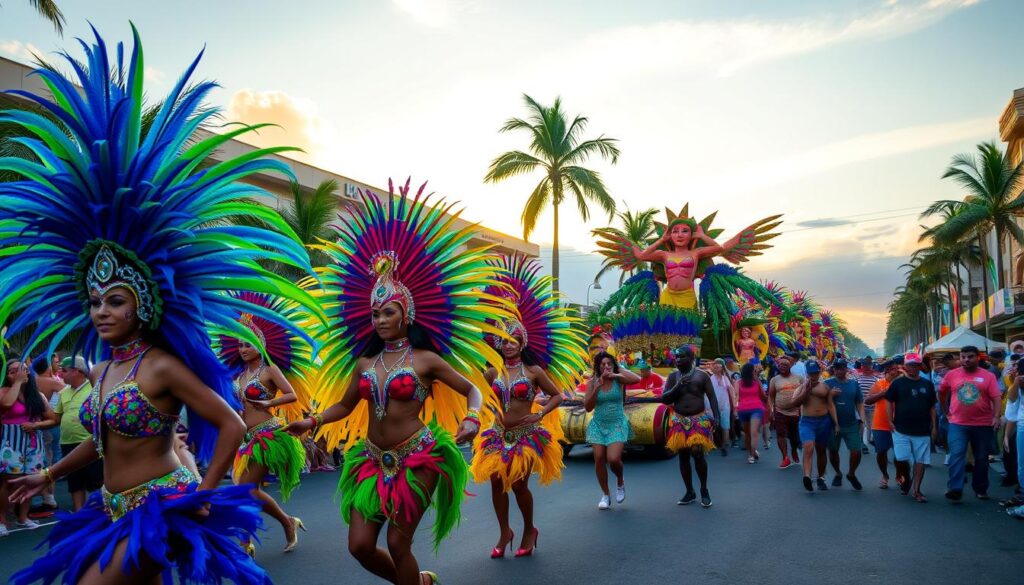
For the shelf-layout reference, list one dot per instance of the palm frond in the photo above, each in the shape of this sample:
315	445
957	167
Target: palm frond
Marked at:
536	203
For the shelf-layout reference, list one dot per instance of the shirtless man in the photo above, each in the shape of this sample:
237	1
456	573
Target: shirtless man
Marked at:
785	413
817	422
691	428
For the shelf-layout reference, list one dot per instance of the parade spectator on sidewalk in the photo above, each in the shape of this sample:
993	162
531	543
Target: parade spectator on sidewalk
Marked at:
970	398
50	387
913	402
881	421
89	478
849	403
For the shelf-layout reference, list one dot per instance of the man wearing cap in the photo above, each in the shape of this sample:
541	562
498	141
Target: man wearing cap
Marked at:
970	397
849	403
89	478
912	399
817	422
649	381
866	378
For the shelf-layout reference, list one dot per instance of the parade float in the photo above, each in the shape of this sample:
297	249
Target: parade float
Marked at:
658	307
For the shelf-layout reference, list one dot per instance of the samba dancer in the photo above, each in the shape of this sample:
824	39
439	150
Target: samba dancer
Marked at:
127	224
522	441
261	386
402	336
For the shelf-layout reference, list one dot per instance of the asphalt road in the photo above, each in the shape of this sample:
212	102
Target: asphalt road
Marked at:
763	528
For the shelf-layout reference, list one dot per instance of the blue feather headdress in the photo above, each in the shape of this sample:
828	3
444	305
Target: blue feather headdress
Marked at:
154	199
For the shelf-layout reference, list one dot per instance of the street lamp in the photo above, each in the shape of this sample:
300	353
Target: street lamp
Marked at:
594	285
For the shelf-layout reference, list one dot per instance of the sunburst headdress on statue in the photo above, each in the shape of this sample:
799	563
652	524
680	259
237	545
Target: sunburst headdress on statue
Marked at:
290	351
552	337
113	202
406	249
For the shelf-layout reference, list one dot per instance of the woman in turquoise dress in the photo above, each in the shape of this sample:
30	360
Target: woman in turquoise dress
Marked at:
608	430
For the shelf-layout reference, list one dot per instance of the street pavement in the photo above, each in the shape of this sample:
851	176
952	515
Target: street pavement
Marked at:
763	528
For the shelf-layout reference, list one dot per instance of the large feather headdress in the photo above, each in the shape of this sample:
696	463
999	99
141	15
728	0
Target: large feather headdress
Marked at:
149	208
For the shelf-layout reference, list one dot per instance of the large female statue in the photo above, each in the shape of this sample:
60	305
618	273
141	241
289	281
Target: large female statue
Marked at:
117	238
660	305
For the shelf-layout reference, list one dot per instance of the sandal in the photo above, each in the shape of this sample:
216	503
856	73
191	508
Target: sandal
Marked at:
920	499
431	577
883	484
751	460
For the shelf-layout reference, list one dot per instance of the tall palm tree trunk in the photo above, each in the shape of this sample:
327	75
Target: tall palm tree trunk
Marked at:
1000	281
959	285
970	295
984	287
554	253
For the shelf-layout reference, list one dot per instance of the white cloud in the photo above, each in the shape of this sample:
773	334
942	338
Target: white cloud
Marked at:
20	51
827	157
153	75
431	13
725	47
298	120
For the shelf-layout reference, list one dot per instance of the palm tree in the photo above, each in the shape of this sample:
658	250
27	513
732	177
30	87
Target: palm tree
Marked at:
49	10
557	149
639	229
993	202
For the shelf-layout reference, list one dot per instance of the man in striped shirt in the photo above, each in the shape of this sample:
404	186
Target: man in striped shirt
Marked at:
866	377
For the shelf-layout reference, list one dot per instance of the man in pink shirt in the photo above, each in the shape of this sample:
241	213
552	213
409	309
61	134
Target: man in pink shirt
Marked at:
970	398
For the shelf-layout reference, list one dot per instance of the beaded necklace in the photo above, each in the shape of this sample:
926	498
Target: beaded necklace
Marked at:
130	350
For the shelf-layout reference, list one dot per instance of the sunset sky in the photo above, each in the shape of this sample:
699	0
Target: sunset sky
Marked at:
840	115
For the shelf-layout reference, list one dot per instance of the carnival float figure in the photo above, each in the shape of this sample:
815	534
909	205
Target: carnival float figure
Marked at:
543	355
271	385
117	237
799	311
403	359
660	306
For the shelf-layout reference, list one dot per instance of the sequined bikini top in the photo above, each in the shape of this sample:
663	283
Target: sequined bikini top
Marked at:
401	383
520	388
254	389
125	410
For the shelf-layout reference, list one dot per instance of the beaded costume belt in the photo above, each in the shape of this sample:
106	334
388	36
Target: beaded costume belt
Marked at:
268	426
390	460
118	505
513	435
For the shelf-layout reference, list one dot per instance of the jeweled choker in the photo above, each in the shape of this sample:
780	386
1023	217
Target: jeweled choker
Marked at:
513	363
397	346
130	350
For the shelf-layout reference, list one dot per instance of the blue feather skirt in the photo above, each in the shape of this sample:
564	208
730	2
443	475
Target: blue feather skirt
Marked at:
158	523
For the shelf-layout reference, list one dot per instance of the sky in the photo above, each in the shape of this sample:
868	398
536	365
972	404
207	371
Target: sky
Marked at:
840	115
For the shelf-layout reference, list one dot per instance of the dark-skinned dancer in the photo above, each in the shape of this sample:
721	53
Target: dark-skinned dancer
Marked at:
691	430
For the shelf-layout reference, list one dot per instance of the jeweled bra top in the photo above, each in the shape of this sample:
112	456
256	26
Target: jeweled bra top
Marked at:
520	388
679	268
254	388
401	383
125	410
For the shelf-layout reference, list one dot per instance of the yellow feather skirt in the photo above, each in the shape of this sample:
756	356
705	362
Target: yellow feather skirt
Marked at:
512	455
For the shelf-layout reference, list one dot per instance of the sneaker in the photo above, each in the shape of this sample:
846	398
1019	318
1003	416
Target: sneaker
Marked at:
865	450
808	484
605	503
28	524
689	498
837	481
620	494
1017	512
1013	502
822	486
3	530
724	451
982	496
954	495
854	482
705	499
785	463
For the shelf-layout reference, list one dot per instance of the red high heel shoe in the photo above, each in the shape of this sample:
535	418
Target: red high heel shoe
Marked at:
499	553
526	552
